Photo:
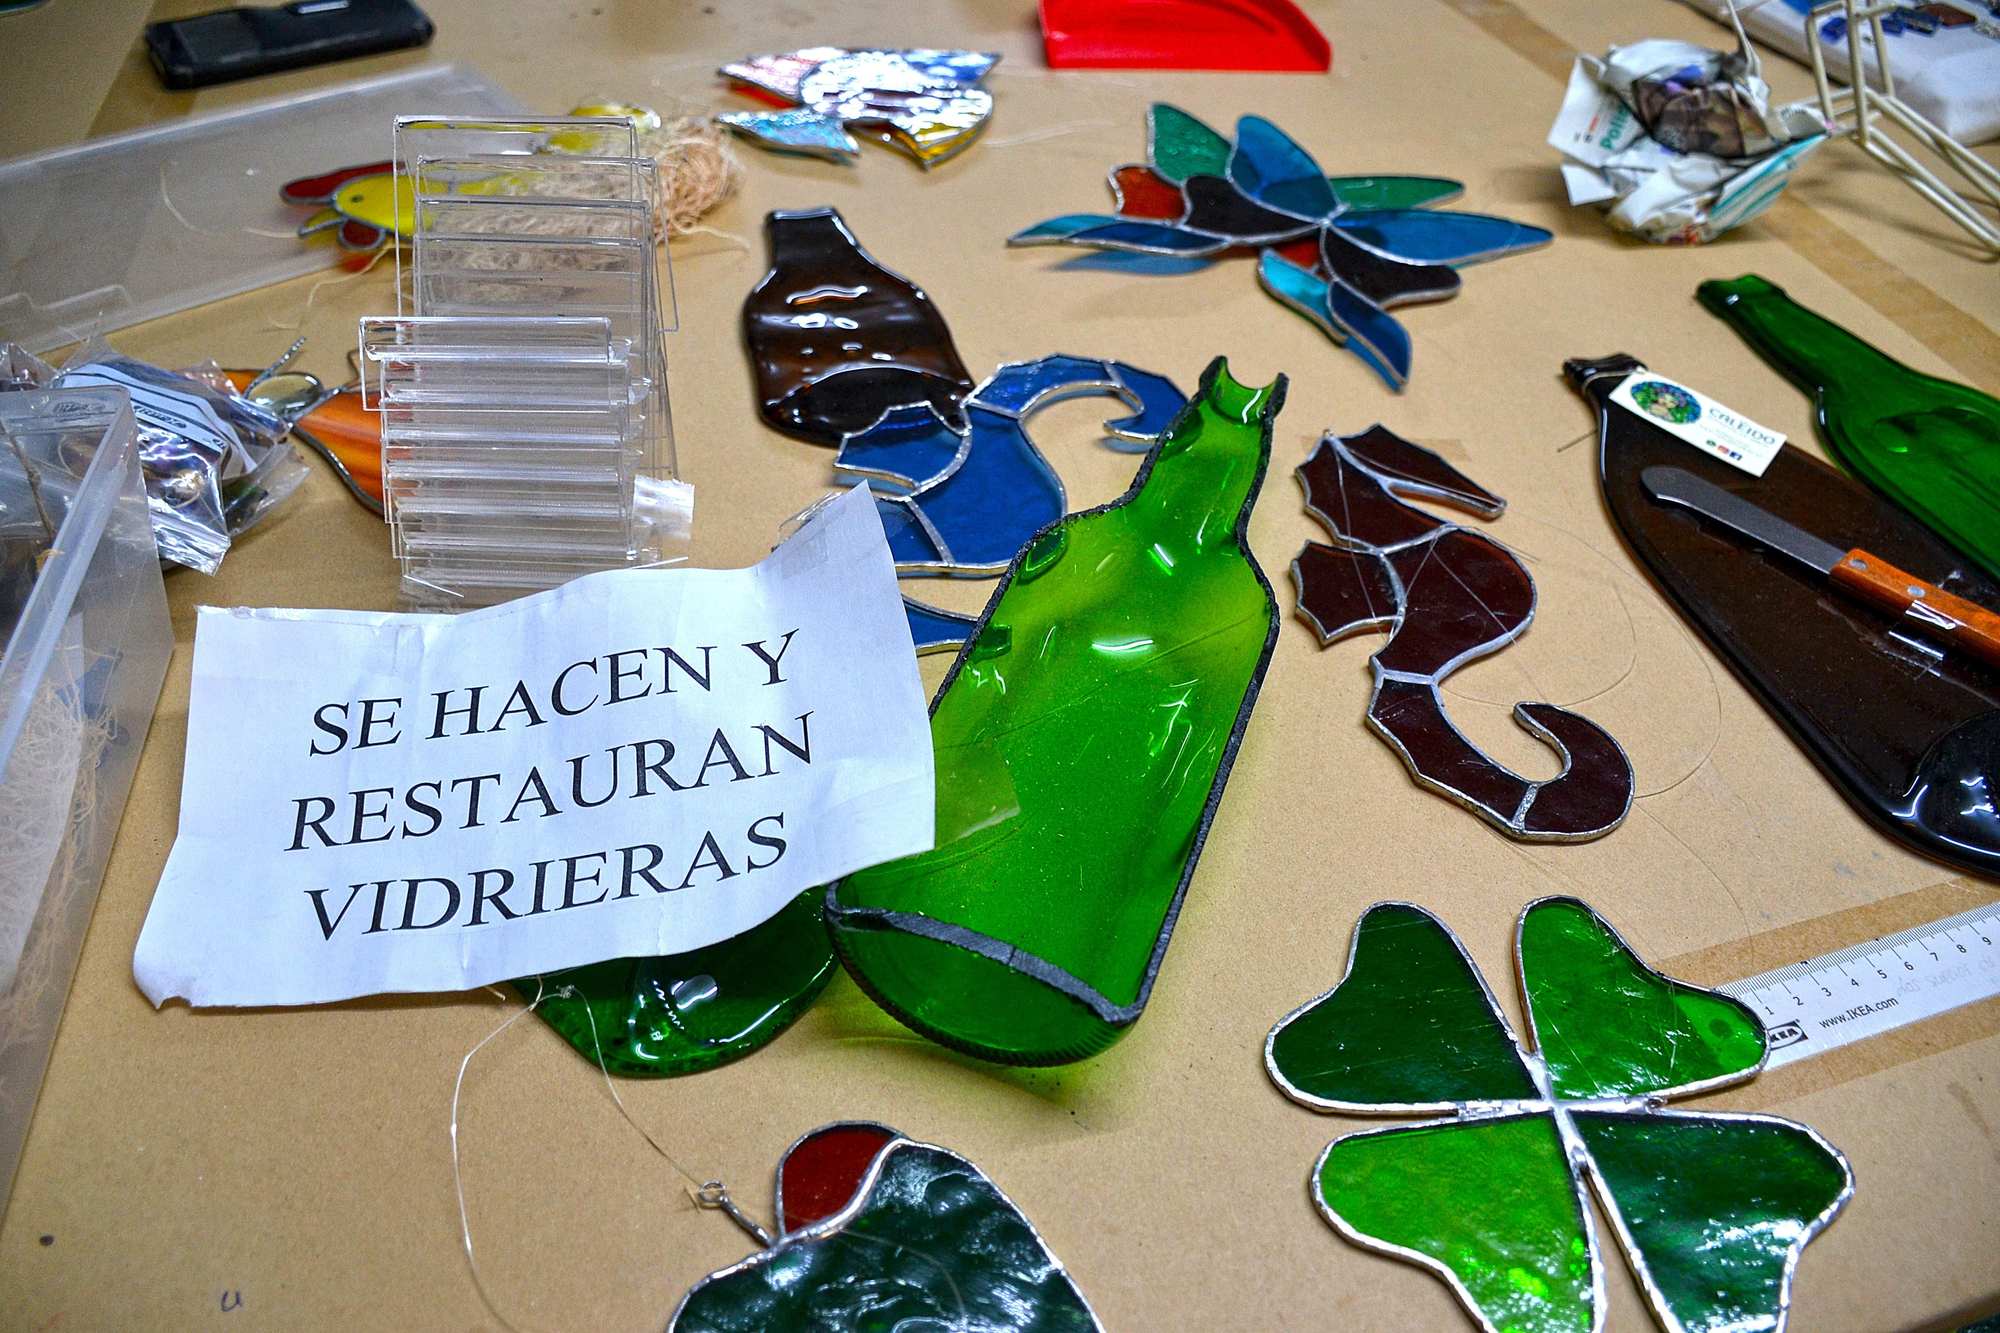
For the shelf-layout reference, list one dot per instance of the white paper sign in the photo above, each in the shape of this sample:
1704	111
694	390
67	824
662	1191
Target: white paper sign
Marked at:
1700	420
639	762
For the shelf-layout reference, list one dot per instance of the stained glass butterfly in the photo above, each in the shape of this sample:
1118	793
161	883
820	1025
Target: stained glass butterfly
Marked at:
1712	1209
1340	250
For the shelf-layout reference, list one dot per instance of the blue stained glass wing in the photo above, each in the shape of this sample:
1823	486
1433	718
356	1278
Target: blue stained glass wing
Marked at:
912	541
964	68
1438	237
799	131
908	446
1150	238
1062	228
1374	334
1001	495
933	630
1019	387
1136	264
1301	289
1160	401
1266	165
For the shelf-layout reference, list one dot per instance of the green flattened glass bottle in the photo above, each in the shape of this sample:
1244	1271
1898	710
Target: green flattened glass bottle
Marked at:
1083	738
1928	444
686	1012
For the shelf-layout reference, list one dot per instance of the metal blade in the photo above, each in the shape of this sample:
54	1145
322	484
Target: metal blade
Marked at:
1671	485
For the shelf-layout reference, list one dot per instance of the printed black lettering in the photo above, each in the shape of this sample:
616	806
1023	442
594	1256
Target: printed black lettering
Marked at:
668	657
333	729
644	872
711	856
381	898
619	675
541	796
326	927
369	722
423	808
517	702
472	800
803	749
362	814
571	880
721	742
313	822
771	840
470	713
556	691
480	897
640	768
415	887
576	780
770	661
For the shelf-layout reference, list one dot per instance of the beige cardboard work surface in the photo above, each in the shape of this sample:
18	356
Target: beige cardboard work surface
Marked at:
293	1169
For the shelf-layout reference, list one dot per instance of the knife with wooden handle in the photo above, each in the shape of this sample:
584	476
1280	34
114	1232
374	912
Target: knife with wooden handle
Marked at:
1933	612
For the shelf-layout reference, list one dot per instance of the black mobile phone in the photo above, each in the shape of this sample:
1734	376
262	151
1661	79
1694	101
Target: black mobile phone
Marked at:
241	43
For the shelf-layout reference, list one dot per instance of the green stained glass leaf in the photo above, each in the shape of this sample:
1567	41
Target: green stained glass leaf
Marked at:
1409	1026
1609	1026
929	1243
1181	146
1487	1203
1715	1209
686	1012
1379	192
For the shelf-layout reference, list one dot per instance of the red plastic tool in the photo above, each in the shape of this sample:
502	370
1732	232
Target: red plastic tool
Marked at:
1181	34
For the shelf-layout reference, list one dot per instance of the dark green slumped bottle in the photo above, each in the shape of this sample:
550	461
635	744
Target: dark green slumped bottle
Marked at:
1927	444
1083	738
685	1012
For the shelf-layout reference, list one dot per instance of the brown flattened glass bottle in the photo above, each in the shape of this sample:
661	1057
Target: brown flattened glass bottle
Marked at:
836	339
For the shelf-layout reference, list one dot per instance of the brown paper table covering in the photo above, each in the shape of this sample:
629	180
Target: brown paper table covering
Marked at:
292	1169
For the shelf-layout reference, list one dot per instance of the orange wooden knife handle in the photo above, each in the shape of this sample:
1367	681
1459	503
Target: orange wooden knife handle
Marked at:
1965	625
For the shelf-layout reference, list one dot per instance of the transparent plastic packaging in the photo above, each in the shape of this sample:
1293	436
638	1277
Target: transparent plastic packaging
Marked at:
526	437
83	617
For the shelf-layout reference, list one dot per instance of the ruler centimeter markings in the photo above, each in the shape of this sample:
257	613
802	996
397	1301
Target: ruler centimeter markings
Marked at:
1824	1003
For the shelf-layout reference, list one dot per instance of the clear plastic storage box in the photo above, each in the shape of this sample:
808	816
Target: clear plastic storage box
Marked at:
83	615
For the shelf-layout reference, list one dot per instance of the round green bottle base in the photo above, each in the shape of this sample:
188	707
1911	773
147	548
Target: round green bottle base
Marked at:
686	1012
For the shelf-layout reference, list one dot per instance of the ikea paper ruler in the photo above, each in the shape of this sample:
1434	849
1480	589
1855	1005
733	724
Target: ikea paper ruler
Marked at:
1824	1003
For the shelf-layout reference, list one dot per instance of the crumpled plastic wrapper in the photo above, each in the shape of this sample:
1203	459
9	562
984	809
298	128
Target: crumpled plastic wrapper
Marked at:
1678	142
215	463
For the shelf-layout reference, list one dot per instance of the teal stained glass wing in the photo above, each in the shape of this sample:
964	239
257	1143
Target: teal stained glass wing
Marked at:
799	131
1271	168
1439	237
1373	333
1378	192
1056	230
1714	1209
1179	146
1610	1026
1300	289
1486	1204
928	1243
1411	1027
1150	238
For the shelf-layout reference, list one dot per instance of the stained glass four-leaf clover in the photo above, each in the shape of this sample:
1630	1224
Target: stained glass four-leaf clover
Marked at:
1712	1209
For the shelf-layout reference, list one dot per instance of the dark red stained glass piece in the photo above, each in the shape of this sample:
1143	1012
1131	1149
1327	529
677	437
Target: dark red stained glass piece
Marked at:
1343	592
1559	805
358	235
1390	454
823	1171
1454	596
1385	279
1904	732
836	339
319	190
1461	592
1355	505
1412	716
1144	193
1305	253
1220	209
